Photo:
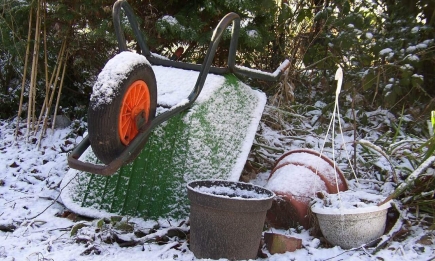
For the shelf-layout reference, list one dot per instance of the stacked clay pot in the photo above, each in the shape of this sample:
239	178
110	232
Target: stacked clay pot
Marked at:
296	178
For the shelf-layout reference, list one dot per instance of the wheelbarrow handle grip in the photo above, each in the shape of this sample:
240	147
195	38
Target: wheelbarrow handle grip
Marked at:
75	163
127	155
116	16
266	76
107	170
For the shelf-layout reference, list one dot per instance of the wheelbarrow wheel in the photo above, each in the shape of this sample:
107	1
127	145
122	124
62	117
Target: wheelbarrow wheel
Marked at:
112	126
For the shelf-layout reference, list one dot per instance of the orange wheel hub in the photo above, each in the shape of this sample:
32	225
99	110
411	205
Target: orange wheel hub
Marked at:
135	108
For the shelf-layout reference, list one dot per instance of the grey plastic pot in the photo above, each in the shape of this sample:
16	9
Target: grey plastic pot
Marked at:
227	218
352	228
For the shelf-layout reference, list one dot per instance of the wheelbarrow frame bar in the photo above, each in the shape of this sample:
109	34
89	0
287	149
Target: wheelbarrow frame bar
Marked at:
140	140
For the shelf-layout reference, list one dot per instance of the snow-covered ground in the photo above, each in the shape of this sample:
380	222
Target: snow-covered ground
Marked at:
36	226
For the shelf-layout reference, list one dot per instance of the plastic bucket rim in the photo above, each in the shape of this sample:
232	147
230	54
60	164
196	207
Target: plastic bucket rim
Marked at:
345	211
269	192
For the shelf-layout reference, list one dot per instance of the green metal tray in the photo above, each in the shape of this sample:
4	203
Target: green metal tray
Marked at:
211	140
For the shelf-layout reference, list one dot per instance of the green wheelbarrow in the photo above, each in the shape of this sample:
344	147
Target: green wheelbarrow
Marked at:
125	155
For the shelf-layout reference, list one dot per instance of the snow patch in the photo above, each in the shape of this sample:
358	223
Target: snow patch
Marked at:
413	58
411	49
170	20
385	51
252	33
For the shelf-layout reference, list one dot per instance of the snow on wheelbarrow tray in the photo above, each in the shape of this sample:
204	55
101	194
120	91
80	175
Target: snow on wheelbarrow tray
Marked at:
211	140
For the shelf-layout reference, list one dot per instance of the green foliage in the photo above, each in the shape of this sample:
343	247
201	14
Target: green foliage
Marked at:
429	145
87	27
433	121
385	49
13	17
190	25
84	25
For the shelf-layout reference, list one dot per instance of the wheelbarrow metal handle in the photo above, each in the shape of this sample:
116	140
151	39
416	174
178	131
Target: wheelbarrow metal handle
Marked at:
133	148
220	28
140	140
116	16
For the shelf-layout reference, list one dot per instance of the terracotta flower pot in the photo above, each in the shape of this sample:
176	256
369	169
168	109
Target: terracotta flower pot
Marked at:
320	164
298	169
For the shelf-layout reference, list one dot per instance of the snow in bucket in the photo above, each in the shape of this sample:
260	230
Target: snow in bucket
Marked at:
348	202
234	190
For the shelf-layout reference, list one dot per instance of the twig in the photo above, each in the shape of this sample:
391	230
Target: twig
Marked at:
377	85
393	231
40	257
31	223
314	64
409	180
372	181
68	228
268	147
354	131
47	83
344	252
365	251
55	200
285	112
399	125
50	101
7	202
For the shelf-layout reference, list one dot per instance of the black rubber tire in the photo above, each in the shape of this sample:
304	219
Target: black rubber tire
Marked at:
103	119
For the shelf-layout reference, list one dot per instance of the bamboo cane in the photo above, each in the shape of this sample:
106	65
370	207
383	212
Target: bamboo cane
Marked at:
47	110
26	60
32	87
59	93
47	83
38	42
47	93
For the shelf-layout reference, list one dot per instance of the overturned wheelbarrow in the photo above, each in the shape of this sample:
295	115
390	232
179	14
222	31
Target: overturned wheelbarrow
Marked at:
207	133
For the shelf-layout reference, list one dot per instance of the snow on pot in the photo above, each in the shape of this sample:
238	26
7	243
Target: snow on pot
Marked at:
227	218
294	186
319	164
296	177
351	218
